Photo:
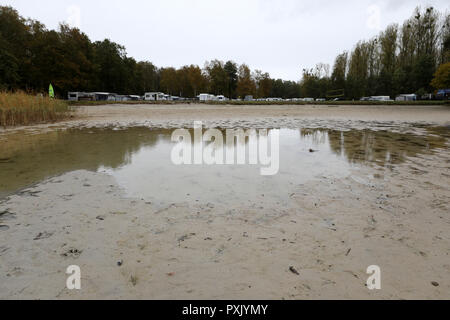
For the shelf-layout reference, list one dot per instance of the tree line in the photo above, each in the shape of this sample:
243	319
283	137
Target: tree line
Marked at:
399	60
31	57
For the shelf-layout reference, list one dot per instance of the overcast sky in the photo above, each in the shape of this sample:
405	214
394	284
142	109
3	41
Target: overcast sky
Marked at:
277	36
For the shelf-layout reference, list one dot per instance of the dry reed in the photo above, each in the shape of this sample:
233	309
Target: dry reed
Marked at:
20	108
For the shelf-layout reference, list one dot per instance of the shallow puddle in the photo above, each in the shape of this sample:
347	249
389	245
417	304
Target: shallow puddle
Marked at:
140	161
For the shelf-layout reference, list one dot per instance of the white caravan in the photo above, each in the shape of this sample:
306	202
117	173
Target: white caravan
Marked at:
406	97
206	97
380	98
154	96
221	98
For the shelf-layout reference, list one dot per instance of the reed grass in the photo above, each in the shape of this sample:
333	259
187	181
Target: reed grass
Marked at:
20	108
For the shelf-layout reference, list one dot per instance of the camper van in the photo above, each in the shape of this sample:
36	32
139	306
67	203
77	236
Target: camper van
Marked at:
154	96
104	96
406	97
134	98
206	97
380	98
80	96
221	98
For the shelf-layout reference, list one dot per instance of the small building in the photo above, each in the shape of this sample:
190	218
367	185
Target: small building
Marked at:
406	97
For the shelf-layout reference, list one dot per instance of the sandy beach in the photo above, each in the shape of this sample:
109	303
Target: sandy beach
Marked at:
317	245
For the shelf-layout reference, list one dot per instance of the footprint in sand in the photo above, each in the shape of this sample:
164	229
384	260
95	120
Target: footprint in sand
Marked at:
43	235
72	253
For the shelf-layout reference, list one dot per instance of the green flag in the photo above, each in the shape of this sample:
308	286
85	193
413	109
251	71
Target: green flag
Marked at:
51	92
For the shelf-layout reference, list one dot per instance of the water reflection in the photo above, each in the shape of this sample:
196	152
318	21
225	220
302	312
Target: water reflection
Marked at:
139	158
28	158
380	147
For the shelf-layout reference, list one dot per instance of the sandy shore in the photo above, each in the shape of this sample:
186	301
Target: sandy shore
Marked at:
333	230
263	116
156	113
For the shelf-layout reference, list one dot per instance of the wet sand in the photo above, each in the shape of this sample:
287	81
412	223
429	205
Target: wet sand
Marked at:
282	116
332	230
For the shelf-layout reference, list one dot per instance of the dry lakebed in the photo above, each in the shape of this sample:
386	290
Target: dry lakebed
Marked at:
357	186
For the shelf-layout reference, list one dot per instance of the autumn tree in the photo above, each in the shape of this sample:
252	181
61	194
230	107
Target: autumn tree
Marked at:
245	85
147	77
14	38
218	78
357	78
387	61
263	84
445	40
169	81
231	70
197	81
339	74
441	78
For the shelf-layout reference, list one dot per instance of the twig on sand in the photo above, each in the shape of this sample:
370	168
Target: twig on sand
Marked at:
294	271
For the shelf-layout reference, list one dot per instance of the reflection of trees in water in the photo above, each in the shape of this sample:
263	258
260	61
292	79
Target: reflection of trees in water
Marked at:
382	147
317	136
35	157
109	148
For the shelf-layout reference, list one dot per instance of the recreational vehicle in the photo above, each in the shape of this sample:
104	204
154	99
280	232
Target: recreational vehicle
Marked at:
406	97
134	98
154	96
206	97
221	98
104	96
380	98
80	96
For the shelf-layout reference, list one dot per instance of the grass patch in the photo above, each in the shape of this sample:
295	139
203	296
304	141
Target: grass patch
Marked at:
20	108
